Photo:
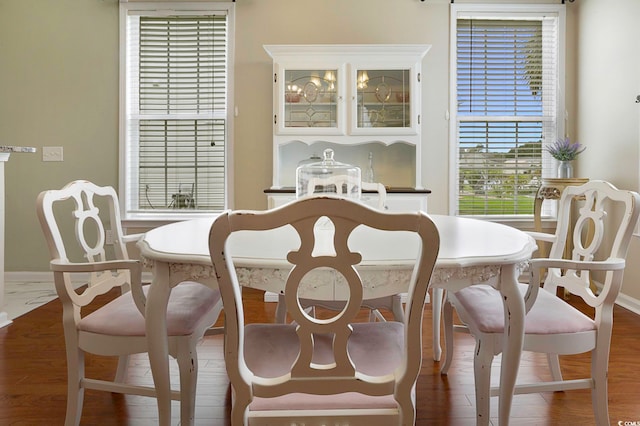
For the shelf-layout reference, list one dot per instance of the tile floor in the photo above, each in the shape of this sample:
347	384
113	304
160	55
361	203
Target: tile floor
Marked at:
21	297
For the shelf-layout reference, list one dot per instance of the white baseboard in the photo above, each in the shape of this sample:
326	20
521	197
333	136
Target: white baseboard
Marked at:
4	319
629	303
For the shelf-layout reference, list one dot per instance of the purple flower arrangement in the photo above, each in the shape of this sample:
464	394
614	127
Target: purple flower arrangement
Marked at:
565	150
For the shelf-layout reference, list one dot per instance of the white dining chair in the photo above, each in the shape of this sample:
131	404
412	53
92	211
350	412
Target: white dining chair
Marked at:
380	190
75	221
603	227
333	370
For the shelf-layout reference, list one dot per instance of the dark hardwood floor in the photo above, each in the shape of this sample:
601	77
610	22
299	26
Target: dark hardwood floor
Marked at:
33	379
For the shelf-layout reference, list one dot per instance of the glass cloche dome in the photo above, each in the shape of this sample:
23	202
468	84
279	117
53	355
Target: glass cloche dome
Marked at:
328	177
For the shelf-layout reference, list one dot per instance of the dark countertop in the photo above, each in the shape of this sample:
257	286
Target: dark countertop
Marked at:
390	190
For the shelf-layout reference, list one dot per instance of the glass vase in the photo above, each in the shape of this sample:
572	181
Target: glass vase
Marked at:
565	170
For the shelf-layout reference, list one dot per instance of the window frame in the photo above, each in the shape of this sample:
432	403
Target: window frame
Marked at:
149	218
504	11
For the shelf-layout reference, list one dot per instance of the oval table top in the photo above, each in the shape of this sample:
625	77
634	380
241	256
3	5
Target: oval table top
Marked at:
464	242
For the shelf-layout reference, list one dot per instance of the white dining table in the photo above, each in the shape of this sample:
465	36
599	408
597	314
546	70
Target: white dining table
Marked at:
472	251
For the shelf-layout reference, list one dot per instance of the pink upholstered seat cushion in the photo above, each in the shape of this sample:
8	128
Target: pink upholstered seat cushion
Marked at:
188	302
375	347
549	314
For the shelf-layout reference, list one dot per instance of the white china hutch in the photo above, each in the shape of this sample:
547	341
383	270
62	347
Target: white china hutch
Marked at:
362	101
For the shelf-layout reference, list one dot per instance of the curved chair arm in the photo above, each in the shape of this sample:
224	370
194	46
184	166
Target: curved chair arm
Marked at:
132	278
132	238
612	264
571	280
542	236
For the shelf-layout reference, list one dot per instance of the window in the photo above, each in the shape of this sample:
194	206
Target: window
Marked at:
507	92
175	122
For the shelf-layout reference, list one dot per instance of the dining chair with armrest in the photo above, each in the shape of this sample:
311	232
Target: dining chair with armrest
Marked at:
552	326
116	327
330	370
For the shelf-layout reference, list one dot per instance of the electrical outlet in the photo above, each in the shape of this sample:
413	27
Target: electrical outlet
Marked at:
108	237
52	153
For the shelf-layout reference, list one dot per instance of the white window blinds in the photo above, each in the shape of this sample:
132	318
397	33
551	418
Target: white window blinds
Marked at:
176	130
507	108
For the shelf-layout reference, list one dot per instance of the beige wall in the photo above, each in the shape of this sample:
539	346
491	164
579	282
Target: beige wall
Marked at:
607	117
59	87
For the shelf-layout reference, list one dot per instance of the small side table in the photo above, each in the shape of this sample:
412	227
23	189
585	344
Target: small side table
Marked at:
551	189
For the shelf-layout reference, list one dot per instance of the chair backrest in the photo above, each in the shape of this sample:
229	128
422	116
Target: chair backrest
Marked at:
600	229
380	189
314	252
76	221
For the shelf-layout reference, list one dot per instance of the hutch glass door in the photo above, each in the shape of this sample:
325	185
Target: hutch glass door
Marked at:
310	98
383	98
